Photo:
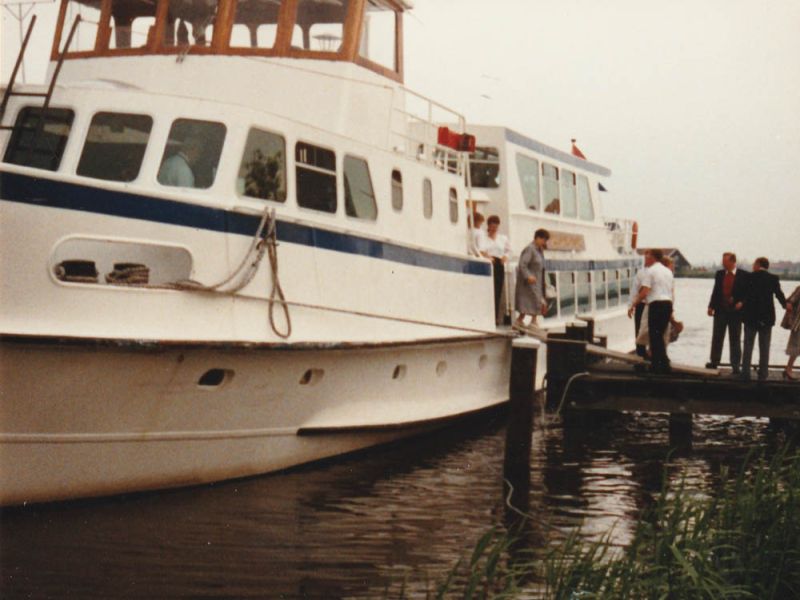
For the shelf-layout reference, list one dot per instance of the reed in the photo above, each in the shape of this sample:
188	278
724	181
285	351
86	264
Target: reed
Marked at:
740	541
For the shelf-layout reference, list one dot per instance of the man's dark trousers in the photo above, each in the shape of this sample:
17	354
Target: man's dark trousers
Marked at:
637	324
730	321
658	315
764	333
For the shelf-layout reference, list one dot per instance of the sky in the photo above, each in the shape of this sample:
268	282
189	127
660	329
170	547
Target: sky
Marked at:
692	104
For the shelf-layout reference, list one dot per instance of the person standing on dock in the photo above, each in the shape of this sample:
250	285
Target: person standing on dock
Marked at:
791	321
758	315
729	282
529	297
658	290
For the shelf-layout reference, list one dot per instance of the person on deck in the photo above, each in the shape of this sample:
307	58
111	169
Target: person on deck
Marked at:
177	170
495	246
728	283
476	234
529	293
791	321
658	291
758	315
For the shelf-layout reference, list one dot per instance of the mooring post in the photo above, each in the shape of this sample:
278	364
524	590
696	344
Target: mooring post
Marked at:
566	355
519	434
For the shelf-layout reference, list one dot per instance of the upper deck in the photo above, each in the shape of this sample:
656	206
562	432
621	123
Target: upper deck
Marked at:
364	32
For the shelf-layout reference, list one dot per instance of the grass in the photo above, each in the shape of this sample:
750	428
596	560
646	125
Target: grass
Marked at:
741	542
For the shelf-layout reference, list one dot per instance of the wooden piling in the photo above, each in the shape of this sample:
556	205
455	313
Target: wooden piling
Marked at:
522	390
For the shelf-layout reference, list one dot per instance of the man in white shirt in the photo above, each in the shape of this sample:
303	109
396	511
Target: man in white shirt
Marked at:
177	170
496	247
657	290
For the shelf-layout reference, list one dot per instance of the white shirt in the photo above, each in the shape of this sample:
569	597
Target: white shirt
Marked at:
637	285
477	241
176	171
660	280
497	247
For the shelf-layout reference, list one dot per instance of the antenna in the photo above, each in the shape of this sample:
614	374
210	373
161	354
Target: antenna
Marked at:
23	10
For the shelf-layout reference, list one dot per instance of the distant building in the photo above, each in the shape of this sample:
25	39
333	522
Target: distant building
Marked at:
681	264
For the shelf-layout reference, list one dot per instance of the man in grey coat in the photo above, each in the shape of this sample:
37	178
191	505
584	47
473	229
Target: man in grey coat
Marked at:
529	296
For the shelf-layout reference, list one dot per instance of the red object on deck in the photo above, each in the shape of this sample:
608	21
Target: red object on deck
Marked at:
462	142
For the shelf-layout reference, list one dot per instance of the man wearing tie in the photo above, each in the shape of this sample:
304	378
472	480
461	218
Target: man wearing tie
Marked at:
729	283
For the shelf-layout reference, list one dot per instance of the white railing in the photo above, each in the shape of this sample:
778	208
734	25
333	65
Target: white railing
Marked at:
415	128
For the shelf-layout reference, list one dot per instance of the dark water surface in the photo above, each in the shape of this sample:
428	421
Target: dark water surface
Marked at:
390	518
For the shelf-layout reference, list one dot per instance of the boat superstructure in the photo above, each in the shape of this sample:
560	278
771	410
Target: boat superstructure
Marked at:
232	243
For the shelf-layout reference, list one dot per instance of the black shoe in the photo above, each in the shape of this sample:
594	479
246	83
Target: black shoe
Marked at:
710	365
736	371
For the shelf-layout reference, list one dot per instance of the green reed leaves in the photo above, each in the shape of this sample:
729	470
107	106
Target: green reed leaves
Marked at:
741	541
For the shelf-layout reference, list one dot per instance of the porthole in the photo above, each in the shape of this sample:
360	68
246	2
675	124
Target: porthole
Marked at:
214	378
312	377
441	368
483	361
399	372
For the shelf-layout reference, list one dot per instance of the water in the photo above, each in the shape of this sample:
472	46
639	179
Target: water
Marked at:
368	525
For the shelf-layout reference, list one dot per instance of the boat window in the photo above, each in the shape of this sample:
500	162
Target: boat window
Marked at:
569	206
585	208
316	177
566	292
552	304
115	146
379	34
86	34
613	288
453	205
39	140
528	171
552	203
262	173
255	24
427	198
132	24
584	292
397	190
319	25
192	154
359	195
484	167
600	290
190	22
625	285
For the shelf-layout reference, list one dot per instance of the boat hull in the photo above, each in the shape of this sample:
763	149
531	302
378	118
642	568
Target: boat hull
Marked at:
84	418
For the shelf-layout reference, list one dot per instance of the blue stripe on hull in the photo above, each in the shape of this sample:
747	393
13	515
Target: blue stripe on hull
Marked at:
58	194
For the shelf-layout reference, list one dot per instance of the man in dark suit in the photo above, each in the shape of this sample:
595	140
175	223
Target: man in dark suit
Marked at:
758	315
729	283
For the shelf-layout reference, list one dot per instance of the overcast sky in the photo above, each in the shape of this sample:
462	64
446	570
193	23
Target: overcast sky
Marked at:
693	104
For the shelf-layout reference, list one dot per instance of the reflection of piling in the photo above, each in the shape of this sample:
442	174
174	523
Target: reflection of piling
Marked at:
517	464
680	431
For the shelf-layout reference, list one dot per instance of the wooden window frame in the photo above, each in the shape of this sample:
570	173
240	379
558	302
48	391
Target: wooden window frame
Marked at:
220	42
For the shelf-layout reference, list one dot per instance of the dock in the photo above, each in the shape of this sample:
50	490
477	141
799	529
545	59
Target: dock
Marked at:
583	375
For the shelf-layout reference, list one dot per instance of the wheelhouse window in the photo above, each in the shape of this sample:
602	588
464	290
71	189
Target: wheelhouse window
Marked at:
359	196
192	154
552	201
484	167
190	23
86	35
427	198
397	190
319	25
115	146
453	205
569	206
379	34
132	24
528	171
255	24
316	177
38	139
585	208
262	173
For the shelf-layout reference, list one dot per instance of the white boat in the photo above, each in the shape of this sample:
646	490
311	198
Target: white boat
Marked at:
231	243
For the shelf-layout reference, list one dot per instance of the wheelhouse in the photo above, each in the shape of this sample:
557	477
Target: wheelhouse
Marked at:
365	32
